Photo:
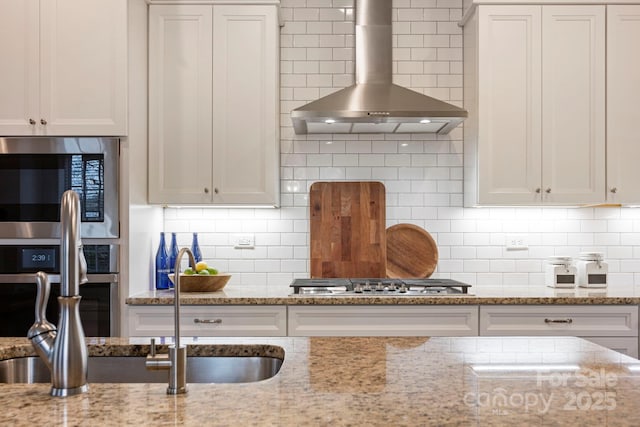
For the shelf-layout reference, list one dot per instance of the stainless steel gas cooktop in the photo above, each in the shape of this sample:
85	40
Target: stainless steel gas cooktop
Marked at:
378	287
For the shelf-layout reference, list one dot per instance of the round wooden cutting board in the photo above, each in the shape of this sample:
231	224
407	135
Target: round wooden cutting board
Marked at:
411	252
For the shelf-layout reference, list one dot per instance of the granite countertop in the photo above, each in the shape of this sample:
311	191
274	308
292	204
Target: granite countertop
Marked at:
360	381
232	295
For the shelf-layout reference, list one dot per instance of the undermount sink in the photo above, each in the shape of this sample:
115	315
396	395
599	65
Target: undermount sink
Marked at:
111	369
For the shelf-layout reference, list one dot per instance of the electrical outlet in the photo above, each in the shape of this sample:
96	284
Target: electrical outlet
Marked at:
516	242
243	241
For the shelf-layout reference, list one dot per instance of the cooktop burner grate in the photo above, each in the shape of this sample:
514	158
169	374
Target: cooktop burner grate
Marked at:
378	286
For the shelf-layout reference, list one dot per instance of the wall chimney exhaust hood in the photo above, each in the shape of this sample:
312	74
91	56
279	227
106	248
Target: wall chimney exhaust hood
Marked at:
374	104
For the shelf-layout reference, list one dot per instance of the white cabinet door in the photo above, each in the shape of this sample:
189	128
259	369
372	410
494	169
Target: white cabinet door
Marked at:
623	114
83	60
565	320
19	74
66	67
573	104
245	112
209	320
213	105
371	320
509	113
180	103
534	89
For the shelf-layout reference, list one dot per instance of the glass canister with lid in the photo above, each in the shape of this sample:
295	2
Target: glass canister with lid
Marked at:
592	270
560	273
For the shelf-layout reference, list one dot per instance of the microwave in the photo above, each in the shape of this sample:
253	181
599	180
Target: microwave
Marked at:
34	173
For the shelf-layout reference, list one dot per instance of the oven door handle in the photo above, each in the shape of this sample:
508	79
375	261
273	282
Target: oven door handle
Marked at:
55	278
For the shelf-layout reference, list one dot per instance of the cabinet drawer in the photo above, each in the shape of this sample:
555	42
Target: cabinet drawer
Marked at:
349	320
624	345
591	321
212	320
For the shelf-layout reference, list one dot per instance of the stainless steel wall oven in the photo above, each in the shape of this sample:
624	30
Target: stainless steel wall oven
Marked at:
99	304
34	172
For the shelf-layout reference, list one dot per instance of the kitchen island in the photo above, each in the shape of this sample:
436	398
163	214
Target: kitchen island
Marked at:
336	381
248	295
606	316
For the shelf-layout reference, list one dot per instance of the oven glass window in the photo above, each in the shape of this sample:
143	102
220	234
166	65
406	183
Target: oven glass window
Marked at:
32	186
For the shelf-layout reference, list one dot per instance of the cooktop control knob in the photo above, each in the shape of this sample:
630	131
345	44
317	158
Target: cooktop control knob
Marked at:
379	287
402	289
357	288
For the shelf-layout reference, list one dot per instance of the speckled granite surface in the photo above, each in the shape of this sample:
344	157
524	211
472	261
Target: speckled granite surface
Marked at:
361	381
280	296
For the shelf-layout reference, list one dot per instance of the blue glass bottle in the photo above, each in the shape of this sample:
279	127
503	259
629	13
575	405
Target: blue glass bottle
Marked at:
195	248
173	255
162	265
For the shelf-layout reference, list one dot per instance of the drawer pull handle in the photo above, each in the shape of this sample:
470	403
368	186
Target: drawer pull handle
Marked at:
558	320
207	320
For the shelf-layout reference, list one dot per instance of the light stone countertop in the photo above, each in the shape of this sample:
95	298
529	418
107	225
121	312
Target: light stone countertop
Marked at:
247	295
360	381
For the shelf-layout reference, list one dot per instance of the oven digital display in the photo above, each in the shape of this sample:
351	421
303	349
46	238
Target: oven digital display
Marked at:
38	258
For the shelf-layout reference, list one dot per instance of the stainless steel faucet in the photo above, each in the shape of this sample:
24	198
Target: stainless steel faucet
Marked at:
63	349
176	360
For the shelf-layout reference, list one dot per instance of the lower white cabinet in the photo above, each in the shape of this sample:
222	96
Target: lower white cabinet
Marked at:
379	320
612	326
209	320
624	345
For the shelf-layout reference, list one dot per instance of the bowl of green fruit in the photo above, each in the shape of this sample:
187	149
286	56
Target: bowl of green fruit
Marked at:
202	279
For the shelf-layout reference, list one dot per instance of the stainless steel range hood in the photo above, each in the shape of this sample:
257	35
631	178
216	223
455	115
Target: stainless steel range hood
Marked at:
374	104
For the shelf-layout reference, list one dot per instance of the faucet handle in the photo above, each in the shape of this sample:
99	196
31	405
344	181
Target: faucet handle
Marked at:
152	349
157	362
42	333
82	266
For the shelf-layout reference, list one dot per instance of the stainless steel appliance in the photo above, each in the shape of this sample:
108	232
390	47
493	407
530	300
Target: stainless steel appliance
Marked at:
374	104
99	305
34	173
378	287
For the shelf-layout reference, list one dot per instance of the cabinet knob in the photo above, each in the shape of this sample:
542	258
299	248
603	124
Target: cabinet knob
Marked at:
215	190
538	190
43	122
32	122
614	190
206	191
548	190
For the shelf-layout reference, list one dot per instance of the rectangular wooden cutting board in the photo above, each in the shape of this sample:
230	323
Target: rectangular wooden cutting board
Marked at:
347	236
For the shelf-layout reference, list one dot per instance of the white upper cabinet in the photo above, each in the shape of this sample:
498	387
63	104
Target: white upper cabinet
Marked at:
213	104
534	89
573	104
623	114
180	98
503	96
65	67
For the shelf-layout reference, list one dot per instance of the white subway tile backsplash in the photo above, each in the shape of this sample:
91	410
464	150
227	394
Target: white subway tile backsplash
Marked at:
410	40
333	174
423	3
423	174
371	160
407	67
342	27
306	14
